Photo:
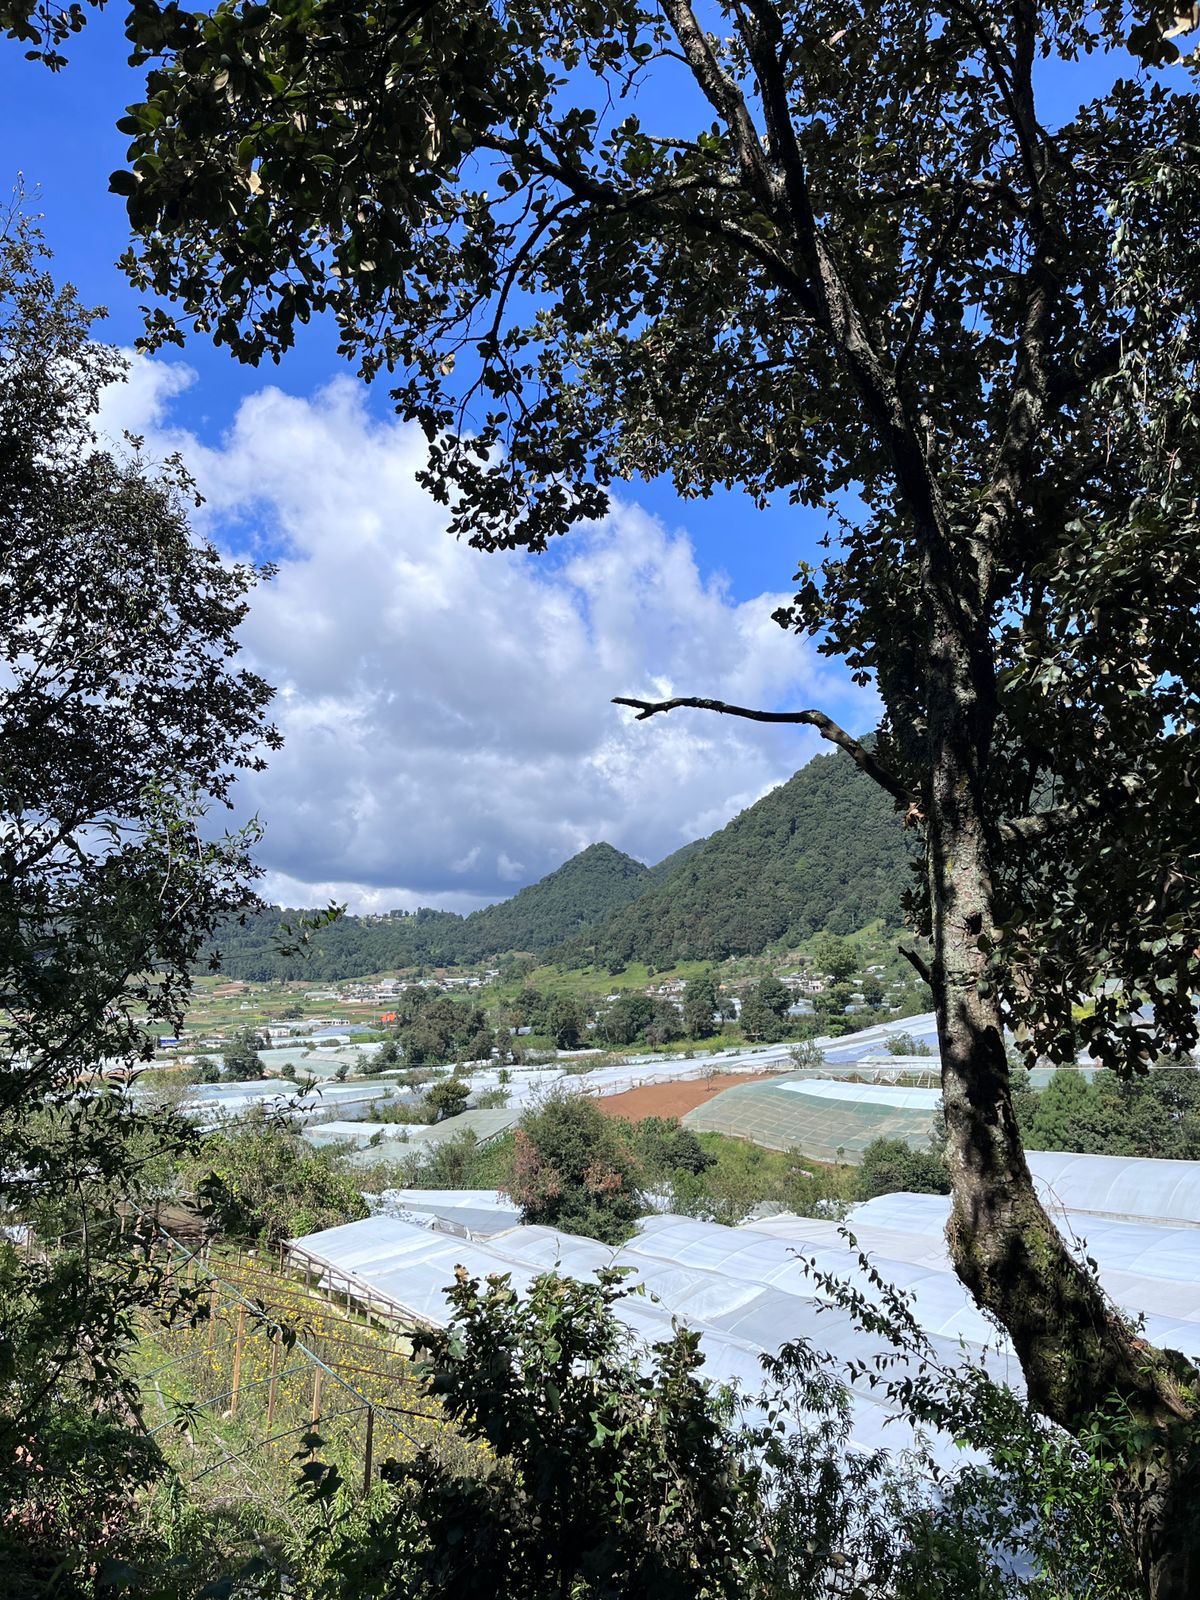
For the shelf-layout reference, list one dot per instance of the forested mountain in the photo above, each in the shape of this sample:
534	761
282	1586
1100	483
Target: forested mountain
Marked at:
824	851
669	865
582	892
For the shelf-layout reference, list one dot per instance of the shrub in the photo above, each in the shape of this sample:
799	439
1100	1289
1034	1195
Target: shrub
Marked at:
889	1166
264	1182
573	1169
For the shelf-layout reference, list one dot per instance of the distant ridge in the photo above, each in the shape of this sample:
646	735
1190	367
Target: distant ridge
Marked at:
579	894
822	851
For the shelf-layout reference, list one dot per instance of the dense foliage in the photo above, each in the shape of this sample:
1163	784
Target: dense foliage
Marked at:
890	1166
580	893
263	1183
822	851
574	1169
432	1029
124	719
612	1477
1154	1116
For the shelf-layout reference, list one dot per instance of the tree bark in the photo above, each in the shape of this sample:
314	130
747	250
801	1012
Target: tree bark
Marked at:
1075	1349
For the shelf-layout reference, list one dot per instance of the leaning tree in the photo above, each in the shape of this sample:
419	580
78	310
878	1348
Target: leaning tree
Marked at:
851	260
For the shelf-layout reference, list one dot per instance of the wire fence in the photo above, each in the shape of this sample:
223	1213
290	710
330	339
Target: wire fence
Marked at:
265	1369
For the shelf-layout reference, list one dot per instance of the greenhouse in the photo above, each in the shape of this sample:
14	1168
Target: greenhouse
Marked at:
386	1141
749	1290
825	1118
409	1268
1119	1186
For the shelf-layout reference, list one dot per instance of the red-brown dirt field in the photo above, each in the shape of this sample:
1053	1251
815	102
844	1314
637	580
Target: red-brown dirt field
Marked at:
673	1099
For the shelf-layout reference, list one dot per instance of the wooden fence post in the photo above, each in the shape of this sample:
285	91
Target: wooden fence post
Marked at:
237	1361
369	1450
212	1315
274	1384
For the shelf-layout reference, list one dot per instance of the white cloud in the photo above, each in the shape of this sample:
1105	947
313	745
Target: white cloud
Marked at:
446	713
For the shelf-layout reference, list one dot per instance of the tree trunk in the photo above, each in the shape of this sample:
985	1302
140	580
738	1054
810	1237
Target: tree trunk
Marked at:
1076	1352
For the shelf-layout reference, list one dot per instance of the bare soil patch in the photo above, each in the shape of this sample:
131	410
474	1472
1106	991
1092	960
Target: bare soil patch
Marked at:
674	1099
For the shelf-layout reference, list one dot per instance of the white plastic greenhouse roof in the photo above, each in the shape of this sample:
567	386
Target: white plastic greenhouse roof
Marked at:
1120	1186
870	1041
1164	1193
442	1200
869	1094
412	1267
1150	1271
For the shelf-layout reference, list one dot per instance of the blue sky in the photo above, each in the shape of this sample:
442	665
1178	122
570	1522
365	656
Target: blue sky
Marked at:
58	130
448	729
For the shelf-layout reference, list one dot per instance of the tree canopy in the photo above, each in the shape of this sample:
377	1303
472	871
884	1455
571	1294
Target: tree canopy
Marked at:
860	265
124	719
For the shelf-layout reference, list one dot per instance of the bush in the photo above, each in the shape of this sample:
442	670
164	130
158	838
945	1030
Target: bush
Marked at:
447	1097
265	1183
889	1166
616	1471
574	1170
612	1476
663	1147
903	1044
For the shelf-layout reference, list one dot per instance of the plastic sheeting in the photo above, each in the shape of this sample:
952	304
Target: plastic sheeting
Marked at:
1119	1186
468	1213
214	1103
412	1267
866	1094
782	1115
1149	1271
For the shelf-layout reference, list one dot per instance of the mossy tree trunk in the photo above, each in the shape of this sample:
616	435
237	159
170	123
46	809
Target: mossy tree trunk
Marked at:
1076	1350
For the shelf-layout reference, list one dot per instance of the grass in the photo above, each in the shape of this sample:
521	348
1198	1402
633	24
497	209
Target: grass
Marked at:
238	1457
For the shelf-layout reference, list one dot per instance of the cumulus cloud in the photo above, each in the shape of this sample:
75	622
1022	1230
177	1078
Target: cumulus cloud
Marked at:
449	732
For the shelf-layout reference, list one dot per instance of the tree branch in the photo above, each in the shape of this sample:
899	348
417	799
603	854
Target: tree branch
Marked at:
825	726
1044	824
723	94
915	960
1074	378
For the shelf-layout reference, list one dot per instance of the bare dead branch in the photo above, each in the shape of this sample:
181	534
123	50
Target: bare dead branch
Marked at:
825	726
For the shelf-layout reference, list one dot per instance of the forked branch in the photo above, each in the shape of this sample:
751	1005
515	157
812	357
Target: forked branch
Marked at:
825	726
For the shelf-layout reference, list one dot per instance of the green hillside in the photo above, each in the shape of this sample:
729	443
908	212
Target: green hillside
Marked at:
669	865
824	851
581	893
584	890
